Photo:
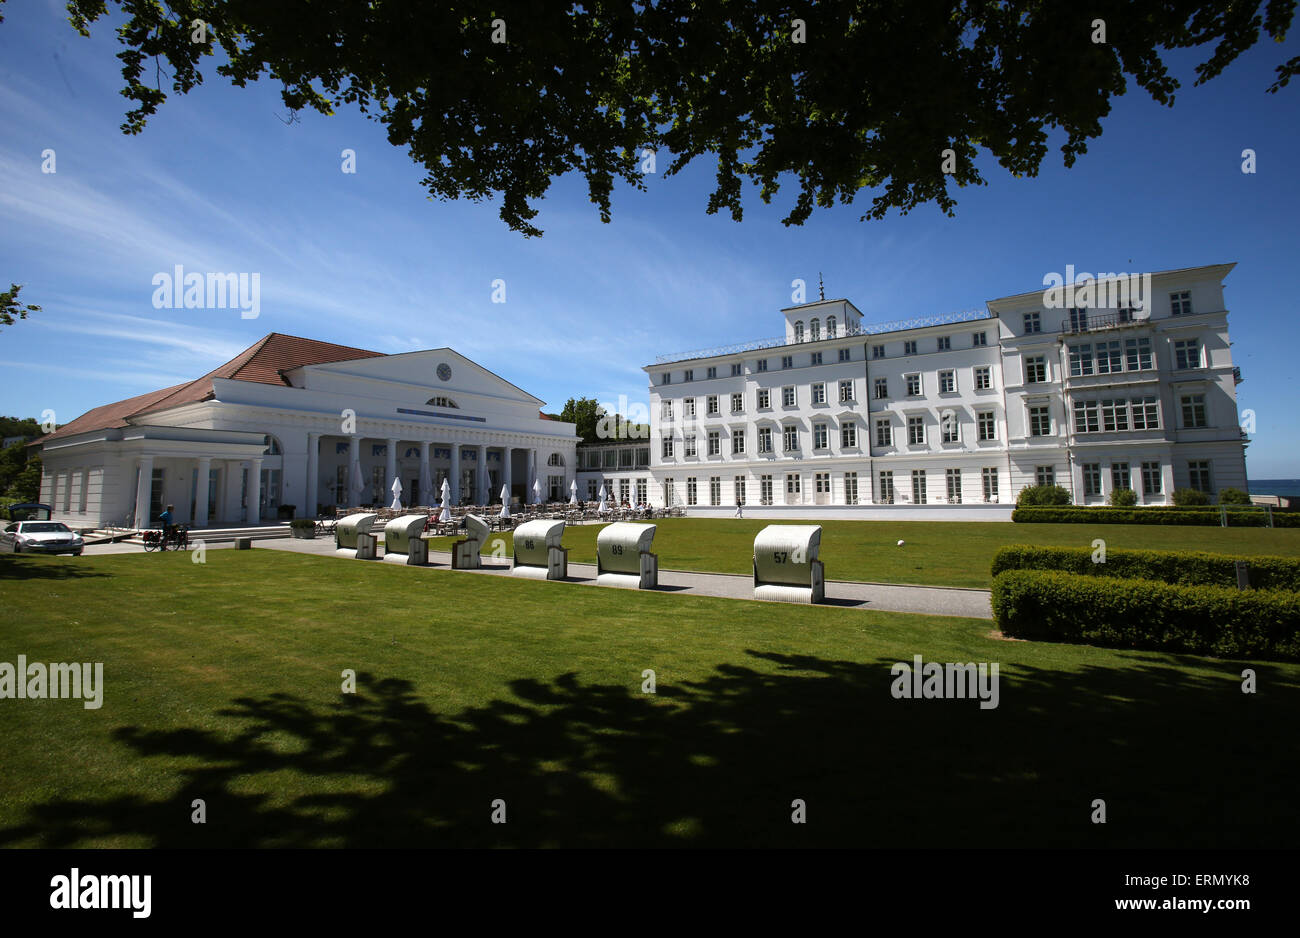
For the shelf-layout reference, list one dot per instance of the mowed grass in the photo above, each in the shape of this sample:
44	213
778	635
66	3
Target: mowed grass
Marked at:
937	553
223	683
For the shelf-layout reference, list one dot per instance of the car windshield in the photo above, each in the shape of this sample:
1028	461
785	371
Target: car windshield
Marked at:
44	527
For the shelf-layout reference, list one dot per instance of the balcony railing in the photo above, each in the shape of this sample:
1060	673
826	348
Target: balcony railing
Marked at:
1095	323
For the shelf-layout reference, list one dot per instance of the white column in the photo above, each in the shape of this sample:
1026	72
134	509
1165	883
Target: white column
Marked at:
313	475
253	515
426	481
354	467
532	475
200	519
390	468
143	489
481	493
455	473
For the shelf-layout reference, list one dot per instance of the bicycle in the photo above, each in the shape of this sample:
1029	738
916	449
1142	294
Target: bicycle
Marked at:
176	539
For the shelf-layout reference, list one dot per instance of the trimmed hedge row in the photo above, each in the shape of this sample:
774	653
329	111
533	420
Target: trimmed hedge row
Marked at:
1047	605
1085	515
1190	568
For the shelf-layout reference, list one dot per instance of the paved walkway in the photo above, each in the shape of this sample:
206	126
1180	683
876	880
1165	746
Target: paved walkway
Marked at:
929	600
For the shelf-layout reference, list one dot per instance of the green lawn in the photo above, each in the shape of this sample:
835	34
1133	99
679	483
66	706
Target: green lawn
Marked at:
941	553
223	683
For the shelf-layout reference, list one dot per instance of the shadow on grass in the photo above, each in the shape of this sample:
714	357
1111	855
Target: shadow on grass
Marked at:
24	567
1181	760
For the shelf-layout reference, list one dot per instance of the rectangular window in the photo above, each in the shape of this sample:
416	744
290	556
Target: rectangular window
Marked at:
848	435
1151	478
913	385
764	398
1146	414
1198	476
712	372
819	436
669	495
884	433
765	490
1092	479
819	393
737	403
1187	353
1033	323
815	358
1078	320
846	392
983	378
737	442
688	444
792	483
765	439
762	364
978	339
943	343
846	355
1109	359
737	369
1180	304
1114	415
1194	411
918	487
787	361
666	410
882	388
641	491
1040	420
715	443
688	374
790	439
850	488
624	489
1138	353
953	478
688	406
739	486
787	396
1080	360
949	427
1036	369
947	382
1045	475
715	490
988	428
822	486
1119	476
989	476
1085	417
711	405
877	351
666	378
915	431
909	348
668	447
887	486
691	496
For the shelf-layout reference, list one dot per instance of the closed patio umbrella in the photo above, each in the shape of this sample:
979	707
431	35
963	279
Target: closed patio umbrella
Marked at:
397	494
602	507
573	492
445	514
537	491
357	482
426	486
505	502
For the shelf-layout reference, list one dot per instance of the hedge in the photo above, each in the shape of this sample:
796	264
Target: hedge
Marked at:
1197	516
1046	605
1190	568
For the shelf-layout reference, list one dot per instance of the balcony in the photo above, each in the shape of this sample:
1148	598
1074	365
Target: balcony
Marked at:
1094	322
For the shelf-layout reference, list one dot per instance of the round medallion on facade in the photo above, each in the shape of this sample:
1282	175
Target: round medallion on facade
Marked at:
444	371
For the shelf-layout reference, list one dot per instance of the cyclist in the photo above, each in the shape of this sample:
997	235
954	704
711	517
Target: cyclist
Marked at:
169	529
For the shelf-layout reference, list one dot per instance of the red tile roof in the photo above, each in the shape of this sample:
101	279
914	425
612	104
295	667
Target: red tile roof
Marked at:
262	363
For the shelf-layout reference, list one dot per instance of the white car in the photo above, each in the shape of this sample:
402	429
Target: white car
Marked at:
41	537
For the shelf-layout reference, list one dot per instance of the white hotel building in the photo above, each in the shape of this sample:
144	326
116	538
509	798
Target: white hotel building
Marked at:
965	409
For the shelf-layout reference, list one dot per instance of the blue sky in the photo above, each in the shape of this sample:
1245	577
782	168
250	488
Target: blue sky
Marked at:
217	182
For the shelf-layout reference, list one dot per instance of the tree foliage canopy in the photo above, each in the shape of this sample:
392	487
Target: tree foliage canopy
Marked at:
871	99
11	308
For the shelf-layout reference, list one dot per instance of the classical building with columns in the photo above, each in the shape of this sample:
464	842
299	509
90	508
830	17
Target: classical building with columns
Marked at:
292	426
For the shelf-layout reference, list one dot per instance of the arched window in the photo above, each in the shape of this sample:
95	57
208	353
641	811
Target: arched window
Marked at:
555	460
815	327
273	443
798	331
442	402
830	327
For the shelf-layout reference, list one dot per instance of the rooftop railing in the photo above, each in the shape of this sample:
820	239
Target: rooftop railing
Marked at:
866	329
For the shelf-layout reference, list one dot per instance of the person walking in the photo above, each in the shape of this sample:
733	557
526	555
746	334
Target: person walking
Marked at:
740	508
